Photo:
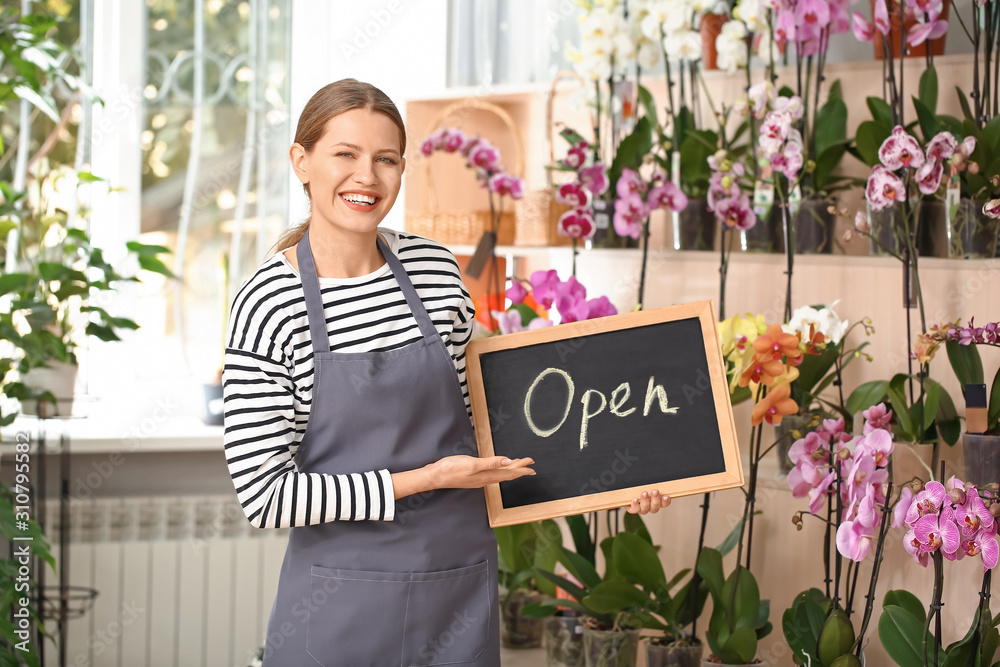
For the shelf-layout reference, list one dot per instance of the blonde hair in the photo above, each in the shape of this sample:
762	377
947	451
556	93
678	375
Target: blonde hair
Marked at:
331	100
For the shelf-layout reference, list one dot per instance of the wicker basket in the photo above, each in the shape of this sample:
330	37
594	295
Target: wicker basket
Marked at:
465	227
537	214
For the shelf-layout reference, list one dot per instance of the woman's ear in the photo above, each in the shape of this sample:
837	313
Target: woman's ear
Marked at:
299	158
402	168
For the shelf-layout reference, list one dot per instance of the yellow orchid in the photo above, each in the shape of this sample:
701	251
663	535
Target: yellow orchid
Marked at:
737	335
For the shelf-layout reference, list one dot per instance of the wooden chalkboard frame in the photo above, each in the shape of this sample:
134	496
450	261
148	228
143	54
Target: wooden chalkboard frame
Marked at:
732	477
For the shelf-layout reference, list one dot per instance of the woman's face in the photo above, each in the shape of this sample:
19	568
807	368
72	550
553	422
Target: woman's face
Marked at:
354	170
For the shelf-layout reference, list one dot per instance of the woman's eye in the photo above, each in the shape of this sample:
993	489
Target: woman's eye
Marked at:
347	154
388	159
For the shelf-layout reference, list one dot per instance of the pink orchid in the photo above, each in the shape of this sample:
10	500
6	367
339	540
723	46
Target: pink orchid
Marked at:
600	307
835	428
427	146
924	31
983	543
793	160
503	183
454	140
902	507
544	284
973	514
812	16
736	212
880	15
575	156
900	150
991	209
510	321
863	473
630	182
798	482
571	300
928	501
573	194
883	188
935	532
516	293
539	323
877	417
929	176
854	540
577	223
868	508
878	444
942	146
864	30
966	148
630	211
818	495
774	131
840	17
912	546
485	156
667	195
595	178
784	29
469	144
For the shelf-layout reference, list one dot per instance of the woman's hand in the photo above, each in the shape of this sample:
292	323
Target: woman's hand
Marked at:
649	502
470	472
459	472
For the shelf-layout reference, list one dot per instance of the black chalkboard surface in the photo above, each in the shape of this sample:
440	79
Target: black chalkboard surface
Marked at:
606	408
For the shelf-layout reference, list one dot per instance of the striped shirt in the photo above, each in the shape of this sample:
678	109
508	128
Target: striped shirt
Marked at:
268	375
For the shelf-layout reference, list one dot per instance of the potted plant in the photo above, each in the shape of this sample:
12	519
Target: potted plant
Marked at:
53	290
613	606
522	548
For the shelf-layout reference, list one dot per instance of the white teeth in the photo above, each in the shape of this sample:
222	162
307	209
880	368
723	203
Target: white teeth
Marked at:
359	199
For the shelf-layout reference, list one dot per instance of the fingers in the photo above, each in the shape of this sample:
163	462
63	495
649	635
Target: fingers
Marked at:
650	502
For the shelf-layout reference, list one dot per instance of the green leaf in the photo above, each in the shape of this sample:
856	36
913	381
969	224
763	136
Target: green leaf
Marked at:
991	135
10	282
994	409
931	399
746	603
613	597
740	648
866	395
881	112
709	568
632	149
901	634
908	601
87	177
637	561
732	539
901	410
869	138
792	636
649	106
836	638
548	540
831	125
809	619
929	124
571	136
928	89
964	102
826	162
581	536
153	264
635	524
575	591
580	567
516	546
965	361
38	98
836	93
527	314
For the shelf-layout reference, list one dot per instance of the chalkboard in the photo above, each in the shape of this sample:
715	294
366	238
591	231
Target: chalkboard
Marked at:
607	408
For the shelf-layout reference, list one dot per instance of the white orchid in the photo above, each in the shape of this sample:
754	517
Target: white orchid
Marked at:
685	45
732	52
824	320
753	14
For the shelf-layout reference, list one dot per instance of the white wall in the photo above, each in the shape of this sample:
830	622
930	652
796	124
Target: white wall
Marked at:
397	45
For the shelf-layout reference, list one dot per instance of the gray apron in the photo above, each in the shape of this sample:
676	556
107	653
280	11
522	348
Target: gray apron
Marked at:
420	589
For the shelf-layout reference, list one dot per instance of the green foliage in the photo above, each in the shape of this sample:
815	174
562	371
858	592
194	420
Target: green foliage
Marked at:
523	548
696	147
831	142
739	617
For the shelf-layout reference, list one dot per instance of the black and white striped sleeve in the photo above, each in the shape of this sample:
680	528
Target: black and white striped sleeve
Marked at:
259	438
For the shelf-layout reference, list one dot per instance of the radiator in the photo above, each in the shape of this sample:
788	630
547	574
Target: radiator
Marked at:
181	581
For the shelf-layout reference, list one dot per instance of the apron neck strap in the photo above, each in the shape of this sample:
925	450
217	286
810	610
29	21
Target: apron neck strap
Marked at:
314	299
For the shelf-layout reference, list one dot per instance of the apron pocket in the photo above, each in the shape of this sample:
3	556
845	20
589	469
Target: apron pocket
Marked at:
448	616
356	616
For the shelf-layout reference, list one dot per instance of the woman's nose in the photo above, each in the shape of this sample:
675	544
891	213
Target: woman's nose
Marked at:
364	171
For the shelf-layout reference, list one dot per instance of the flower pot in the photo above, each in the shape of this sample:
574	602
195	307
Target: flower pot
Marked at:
814	227
517	631
604	230
694	226
887	226
711	27
564	640
971	233
665	655
213	404
767	235
610	648
918	51
982	458
932	230
788	424
60	379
